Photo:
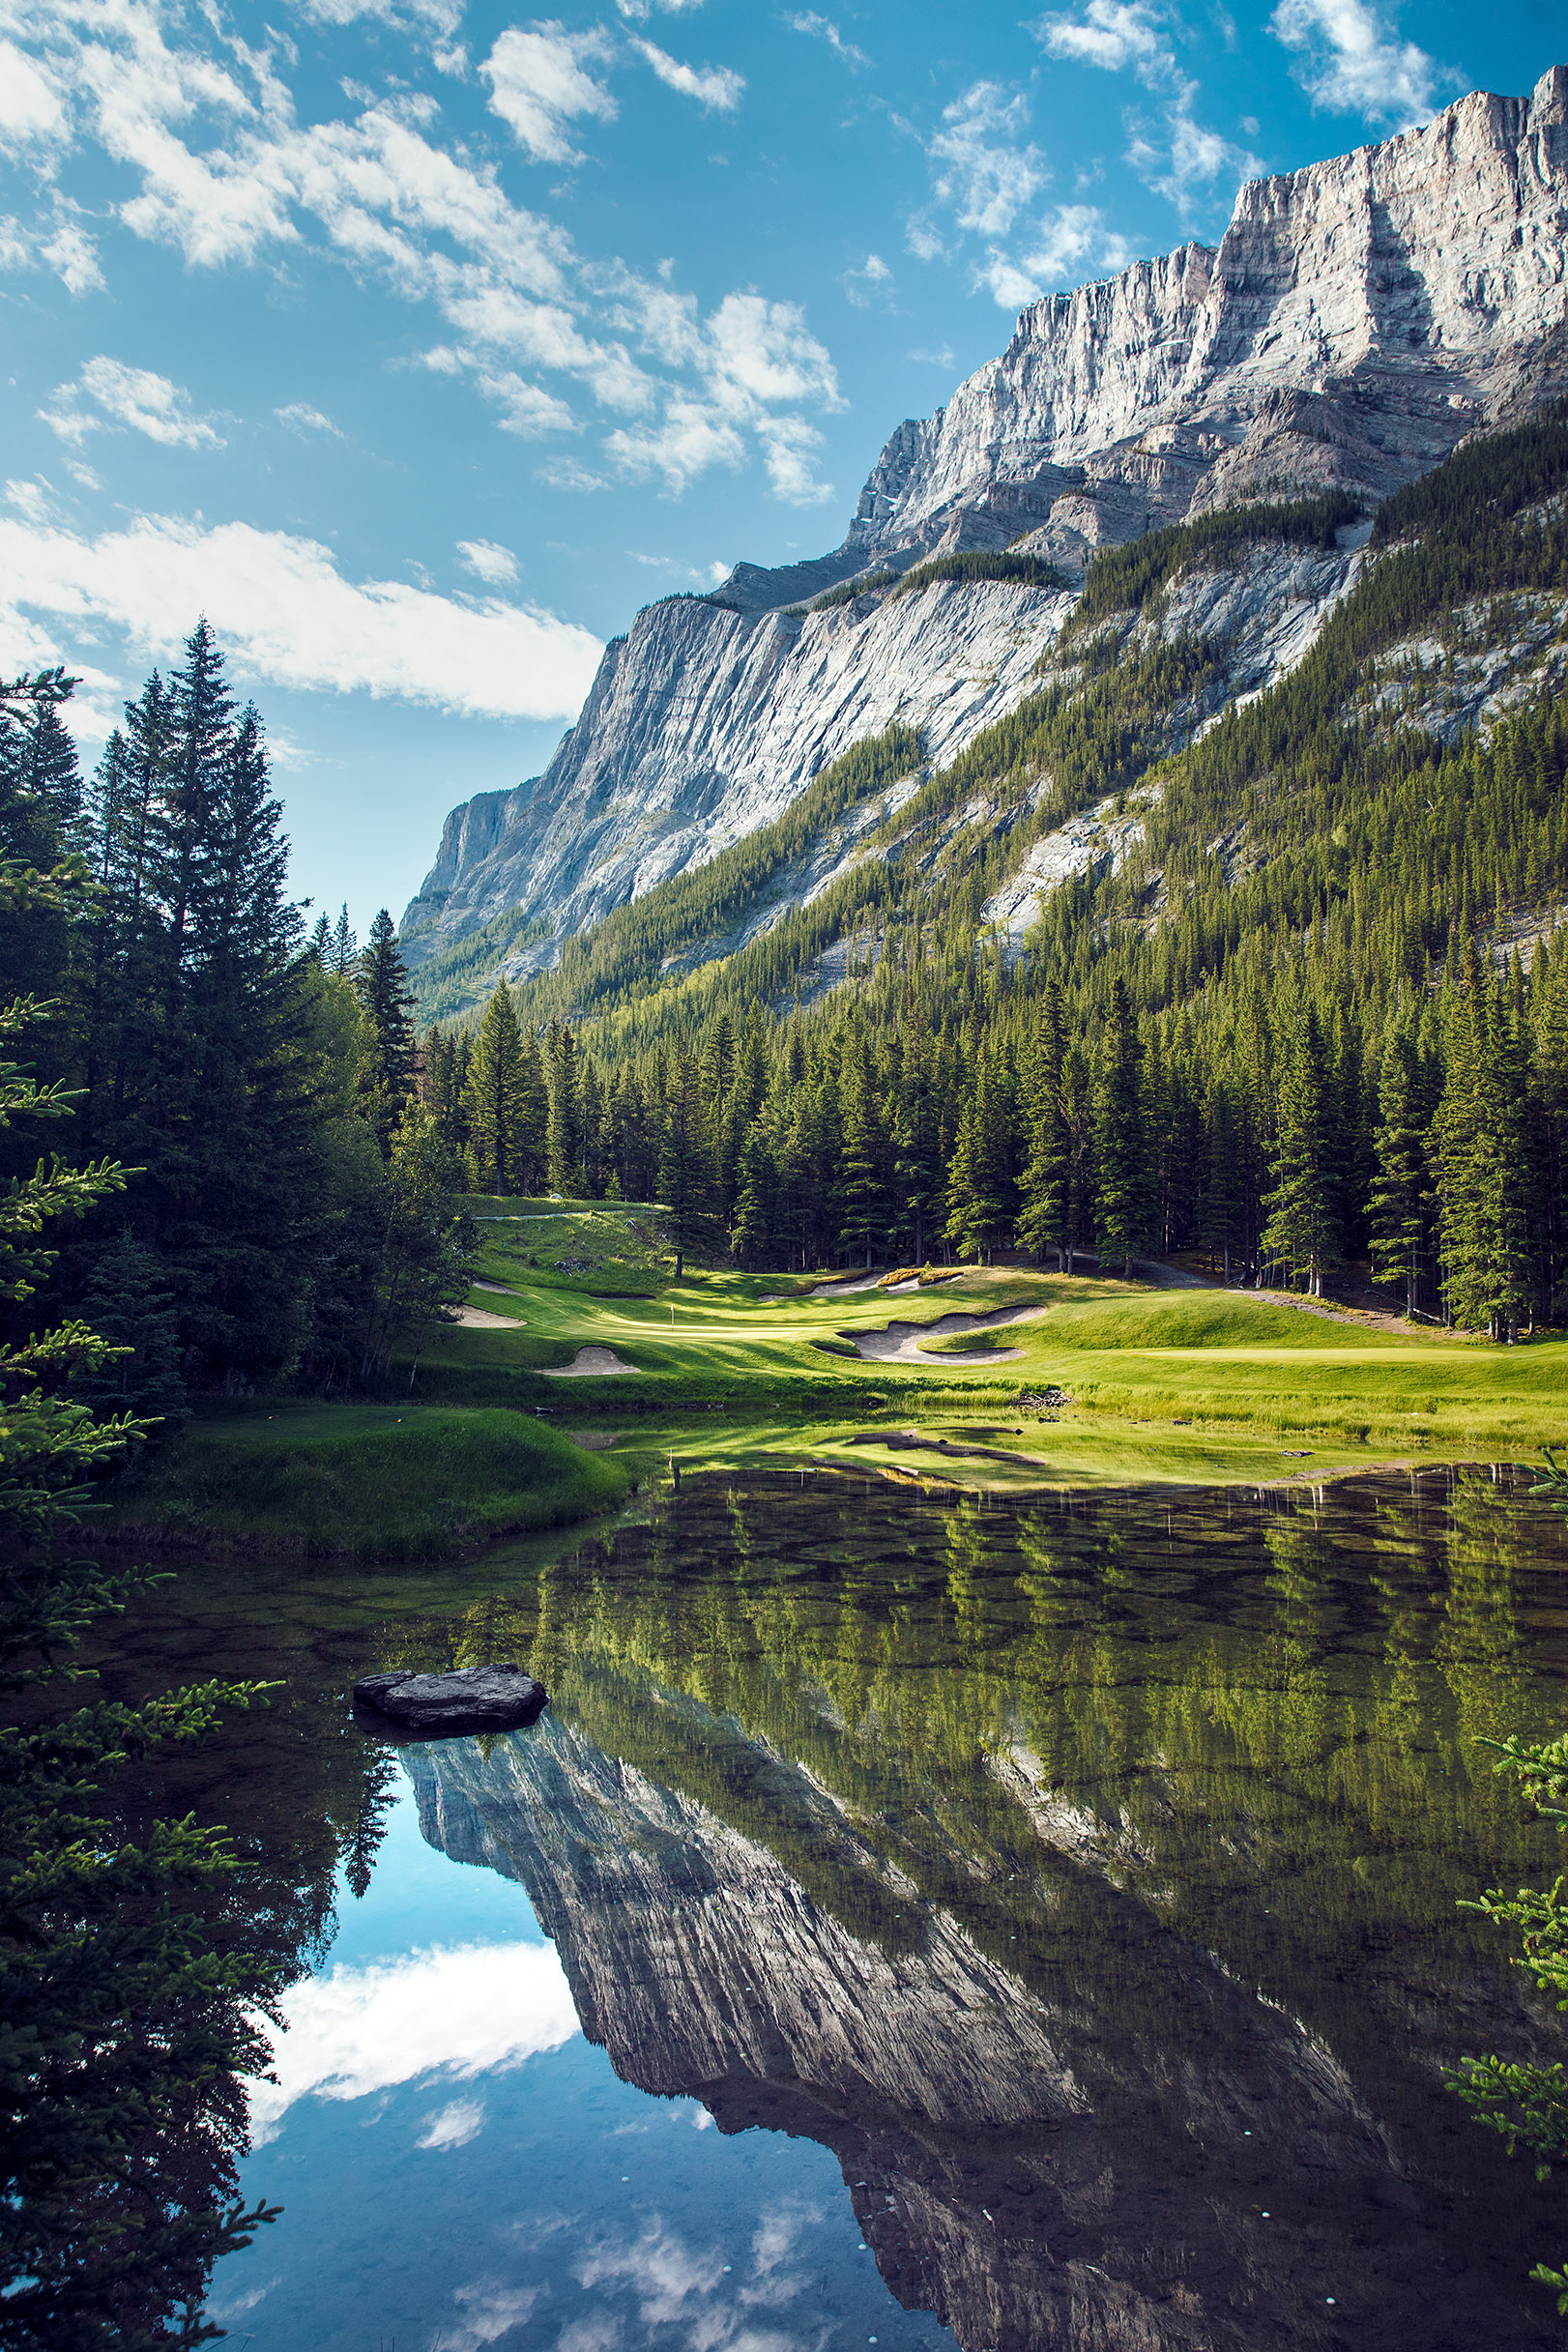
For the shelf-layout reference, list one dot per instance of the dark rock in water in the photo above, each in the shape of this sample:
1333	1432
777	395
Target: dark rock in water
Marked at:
497	1697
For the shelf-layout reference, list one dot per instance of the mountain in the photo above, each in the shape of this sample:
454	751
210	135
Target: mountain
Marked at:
1358	321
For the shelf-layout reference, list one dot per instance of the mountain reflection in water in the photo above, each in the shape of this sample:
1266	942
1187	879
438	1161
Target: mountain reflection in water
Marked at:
1083	1876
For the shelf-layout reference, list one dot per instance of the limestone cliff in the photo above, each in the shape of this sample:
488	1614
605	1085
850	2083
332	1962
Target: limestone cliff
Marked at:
1356	321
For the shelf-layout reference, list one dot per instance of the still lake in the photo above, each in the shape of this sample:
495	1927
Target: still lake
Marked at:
912	1920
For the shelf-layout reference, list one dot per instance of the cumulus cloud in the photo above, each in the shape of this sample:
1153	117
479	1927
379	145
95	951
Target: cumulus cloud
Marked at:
822	28
223	168
289	615
715	87
1352	62
1109	33
31	112
1062	248
752	354
540	82
496	566
107	393
466	2012
638	11
1173	152
983	170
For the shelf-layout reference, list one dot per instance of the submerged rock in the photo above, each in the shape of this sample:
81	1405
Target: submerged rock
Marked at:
497	1697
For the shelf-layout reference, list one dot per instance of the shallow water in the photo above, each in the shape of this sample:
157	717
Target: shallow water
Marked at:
1052	1905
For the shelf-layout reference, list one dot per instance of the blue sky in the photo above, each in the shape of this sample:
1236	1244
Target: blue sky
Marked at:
420	344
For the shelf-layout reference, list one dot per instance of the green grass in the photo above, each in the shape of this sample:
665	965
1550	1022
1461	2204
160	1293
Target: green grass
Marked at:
364	1481
1164	1384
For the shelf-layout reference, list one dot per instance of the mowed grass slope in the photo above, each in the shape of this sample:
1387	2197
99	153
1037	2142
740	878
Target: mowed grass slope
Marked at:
1163	1385
365	1482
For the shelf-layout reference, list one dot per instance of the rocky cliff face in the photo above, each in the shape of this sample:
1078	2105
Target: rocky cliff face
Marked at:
1356	321
1059	2124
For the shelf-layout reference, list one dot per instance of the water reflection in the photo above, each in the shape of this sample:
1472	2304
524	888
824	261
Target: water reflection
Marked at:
1082	1878
1074	1885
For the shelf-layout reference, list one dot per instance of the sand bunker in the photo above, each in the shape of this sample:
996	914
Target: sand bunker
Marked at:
480	1319
587	1364
898	1344
502	1290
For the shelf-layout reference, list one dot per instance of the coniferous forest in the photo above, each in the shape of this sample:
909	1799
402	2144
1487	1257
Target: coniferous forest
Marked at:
1318	1014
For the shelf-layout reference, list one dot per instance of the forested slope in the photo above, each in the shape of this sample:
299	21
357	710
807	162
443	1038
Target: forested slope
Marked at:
1313	1008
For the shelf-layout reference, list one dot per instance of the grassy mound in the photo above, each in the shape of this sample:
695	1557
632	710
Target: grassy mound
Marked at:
967	1343
365	1482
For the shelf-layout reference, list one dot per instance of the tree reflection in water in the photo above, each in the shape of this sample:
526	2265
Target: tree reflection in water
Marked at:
1084	1875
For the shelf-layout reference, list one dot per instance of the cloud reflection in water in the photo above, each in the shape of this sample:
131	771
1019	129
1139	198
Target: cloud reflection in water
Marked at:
473	2011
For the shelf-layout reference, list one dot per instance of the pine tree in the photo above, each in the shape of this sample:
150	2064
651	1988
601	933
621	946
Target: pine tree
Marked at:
1401	1204
981	1195
128	1304
1483	1171
497	1090
684	1173
861	1190
564	1140
391	1068
1047	1180
1302	1232
1122	1191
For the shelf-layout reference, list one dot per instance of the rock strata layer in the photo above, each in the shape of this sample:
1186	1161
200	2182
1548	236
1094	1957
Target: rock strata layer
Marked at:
497	1697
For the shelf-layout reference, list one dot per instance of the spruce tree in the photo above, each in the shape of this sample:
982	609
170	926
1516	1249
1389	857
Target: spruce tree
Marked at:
497	1090
1303	1232
1047	1180
1121	1189
684	1171
392	1068
1401	1205
564	1140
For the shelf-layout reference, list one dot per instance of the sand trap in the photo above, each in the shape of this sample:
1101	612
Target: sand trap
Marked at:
502	1290
898	1343
480	1319
587	1364
841	1286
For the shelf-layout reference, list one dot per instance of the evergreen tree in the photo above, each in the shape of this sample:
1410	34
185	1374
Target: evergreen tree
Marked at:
980	1191
1303	1232
564	1140
129	1304
1482	1160
1401	1205
392	1066
862	1159
1122	1191
684	1174
1047	1180
496	1091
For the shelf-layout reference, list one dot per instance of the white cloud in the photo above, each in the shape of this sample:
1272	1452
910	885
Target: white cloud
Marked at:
863	284
490	2312
526	409
31	112
1109	33
566	473
496	566
712	86
1065	245
454	2126
223	168
1181	158
807	20
539	82
1355	64
983	172
72	256
301	418
440	15
467	2012
132	397
288	614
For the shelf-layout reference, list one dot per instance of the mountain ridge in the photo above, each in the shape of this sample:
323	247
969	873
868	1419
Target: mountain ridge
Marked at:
1360	319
